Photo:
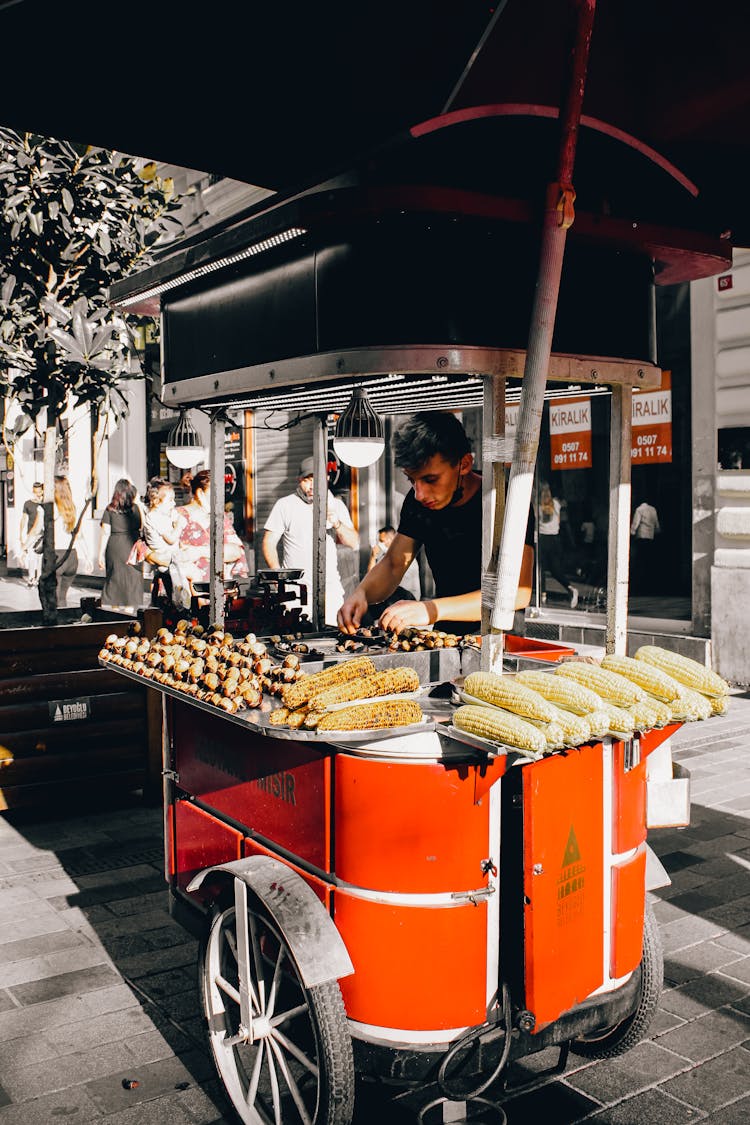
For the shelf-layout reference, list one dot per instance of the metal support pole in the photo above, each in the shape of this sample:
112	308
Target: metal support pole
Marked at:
216	548
494	455
619	519
558	217
320	510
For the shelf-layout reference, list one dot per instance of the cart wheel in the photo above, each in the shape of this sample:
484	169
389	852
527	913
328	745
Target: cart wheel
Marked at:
613	1041
298	1069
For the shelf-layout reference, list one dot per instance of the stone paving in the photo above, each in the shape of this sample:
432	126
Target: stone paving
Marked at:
98	984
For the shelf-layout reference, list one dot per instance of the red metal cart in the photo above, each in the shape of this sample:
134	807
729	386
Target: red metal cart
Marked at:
419	907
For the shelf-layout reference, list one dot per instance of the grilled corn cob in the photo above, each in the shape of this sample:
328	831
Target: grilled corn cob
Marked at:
373	716
502	691
502	726
691	706
568	694
647	676
621	721
688	672
294	695
388	682
279	717
609	686
295	719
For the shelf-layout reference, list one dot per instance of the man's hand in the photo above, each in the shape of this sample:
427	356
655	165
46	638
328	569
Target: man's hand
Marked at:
402	615
352	611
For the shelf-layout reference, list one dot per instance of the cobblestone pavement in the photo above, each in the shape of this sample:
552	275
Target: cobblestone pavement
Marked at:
98	984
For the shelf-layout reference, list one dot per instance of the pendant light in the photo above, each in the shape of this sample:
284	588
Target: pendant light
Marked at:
359	438
185	446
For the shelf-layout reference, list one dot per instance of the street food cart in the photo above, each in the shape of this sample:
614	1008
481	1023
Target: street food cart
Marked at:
416	903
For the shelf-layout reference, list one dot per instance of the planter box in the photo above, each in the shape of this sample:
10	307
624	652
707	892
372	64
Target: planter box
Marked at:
75	731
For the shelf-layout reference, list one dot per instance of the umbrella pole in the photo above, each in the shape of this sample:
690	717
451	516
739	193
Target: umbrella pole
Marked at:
558	217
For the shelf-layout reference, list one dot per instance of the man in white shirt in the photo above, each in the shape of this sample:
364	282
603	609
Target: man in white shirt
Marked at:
290	523
643	530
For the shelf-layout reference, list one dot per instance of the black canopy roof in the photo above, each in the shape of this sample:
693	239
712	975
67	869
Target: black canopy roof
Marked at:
283	94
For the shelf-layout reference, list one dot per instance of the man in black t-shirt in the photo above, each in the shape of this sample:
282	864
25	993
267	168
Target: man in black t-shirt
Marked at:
32	526
443	511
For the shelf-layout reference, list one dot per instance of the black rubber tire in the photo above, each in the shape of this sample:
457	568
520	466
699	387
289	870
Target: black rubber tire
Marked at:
335	1105
613	1041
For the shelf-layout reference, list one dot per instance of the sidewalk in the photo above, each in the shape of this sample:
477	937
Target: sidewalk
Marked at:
16	596
99	985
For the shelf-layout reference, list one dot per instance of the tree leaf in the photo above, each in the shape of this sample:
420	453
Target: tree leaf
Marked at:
7	290
67	199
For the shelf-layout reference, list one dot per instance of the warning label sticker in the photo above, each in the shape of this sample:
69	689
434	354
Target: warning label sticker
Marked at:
571	880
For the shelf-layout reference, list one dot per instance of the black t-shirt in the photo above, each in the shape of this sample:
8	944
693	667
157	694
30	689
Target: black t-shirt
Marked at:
31	510
452	539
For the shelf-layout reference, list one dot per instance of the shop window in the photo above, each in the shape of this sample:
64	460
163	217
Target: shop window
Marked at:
734	448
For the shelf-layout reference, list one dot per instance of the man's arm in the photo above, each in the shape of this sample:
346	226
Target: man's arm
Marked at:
270	551
341	522
378	584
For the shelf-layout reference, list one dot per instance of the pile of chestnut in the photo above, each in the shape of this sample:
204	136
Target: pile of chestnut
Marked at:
209	665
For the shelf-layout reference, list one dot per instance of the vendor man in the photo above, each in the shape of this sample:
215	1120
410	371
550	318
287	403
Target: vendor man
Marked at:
443	511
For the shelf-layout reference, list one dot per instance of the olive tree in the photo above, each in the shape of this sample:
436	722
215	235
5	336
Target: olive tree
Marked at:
73	220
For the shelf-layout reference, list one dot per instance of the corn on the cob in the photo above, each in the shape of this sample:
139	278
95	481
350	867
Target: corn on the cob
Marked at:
681	668
294	695
719	704
598	722
644	716
373	716
502	726
568	694
388	682
691	706
279	717
647	676
609	686
554	734
576	728
502	691
621	721
663	712
295	719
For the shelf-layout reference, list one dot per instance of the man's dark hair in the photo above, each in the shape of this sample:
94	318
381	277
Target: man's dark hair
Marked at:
427	433
388	527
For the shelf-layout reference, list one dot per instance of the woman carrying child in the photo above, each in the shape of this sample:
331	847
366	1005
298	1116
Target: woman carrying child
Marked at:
160	532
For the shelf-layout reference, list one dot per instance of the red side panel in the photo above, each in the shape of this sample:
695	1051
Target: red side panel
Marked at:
629	802
278	788
650	739
416	967
202	841
563	880
628	902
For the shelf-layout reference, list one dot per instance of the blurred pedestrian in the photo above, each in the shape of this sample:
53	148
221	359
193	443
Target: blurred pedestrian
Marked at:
194	523
31	534
644	528
120	529
409	586
550	550
291	522
161	534
64	526
183	490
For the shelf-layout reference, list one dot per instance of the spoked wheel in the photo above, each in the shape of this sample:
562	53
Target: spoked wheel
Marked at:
283	1051
613	1041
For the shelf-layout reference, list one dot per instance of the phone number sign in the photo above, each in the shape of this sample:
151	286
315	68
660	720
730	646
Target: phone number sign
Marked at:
570	433
651	441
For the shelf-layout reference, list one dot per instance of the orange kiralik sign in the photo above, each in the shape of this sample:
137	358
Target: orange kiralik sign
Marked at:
570	433
652	424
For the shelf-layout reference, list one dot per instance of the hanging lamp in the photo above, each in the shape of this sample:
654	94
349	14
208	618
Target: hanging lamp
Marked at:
185	446
359	439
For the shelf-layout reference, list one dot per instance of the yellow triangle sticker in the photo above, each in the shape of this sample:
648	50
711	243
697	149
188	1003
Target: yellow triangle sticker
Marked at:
572	851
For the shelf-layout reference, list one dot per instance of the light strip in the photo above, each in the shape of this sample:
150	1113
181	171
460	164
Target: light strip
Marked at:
211	267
